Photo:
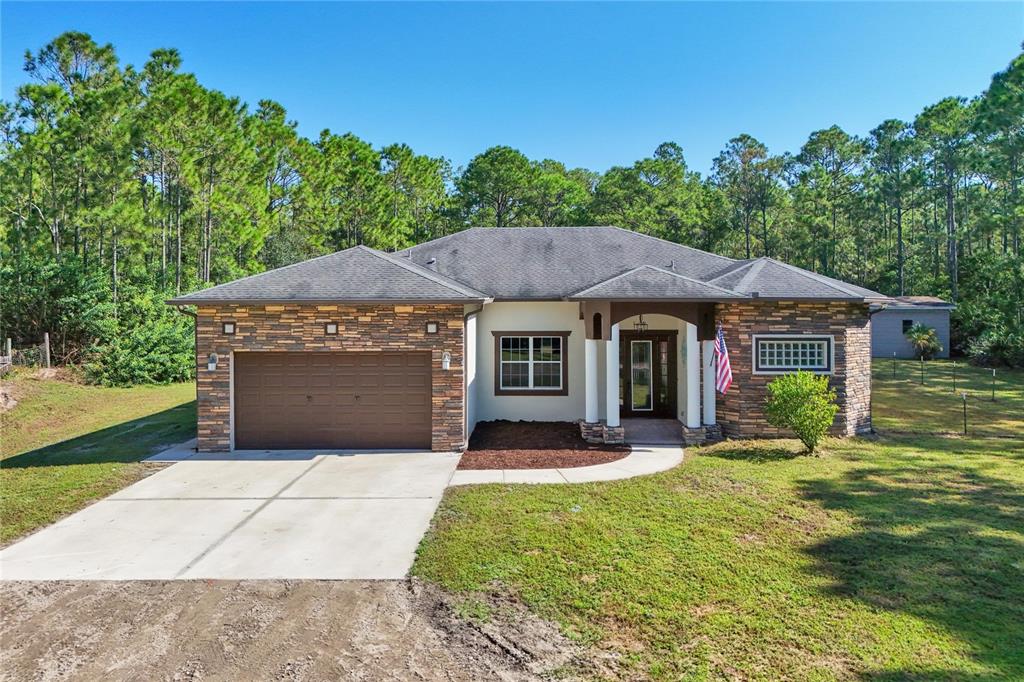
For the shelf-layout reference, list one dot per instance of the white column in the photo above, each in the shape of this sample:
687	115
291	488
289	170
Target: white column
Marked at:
590	379
708	365
612	378
692	377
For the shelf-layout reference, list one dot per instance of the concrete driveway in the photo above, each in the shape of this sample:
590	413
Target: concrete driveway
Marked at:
248	515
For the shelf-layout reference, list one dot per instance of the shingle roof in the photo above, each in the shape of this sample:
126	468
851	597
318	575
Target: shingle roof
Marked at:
554	262
356	274
925	302
647	282
532	263
769	278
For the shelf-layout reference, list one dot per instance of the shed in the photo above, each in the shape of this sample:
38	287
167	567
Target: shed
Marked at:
889	325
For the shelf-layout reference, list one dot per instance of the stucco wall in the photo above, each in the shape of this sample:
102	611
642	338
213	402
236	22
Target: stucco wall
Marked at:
887	331
530	317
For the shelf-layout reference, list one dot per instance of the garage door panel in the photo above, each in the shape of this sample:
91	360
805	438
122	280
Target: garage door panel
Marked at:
308	400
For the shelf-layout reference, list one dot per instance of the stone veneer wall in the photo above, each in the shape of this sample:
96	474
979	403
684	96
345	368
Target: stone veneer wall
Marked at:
741	411
301	328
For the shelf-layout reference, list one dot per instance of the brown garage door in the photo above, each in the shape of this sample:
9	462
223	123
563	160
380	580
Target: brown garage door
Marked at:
332	400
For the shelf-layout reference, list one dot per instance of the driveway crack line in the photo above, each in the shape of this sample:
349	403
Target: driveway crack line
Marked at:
219	541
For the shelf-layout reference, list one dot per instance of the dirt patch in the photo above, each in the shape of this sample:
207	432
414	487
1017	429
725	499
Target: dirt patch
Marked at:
271	630
7	399
534	445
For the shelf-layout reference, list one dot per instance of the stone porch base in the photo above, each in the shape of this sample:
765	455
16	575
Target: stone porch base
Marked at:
600	432
709	433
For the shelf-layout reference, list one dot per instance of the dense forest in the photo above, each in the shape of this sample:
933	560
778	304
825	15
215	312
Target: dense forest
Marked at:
120	187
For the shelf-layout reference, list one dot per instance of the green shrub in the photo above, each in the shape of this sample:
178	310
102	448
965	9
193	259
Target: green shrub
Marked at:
152	344
998	346
925	341
803	403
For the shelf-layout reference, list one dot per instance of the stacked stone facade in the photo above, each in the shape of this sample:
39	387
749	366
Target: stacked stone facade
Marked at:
741	411
300	328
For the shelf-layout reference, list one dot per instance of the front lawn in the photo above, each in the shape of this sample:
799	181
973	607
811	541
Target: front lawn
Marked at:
65	444
891	557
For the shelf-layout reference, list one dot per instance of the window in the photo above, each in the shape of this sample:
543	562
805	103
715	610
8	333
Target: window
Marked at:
907	324
331	328
781	354
533	364
228	328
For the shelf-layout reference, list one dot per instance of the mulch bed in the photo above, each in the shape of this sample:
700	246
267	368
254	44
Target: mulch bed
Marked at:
534	445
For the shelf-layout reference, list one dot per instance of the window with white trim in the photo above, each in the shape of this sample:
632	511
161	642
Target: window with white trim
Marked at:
531	362
780	354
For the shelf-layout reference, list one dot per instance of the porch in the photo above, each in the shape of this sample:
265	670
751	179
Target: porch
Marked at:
658	365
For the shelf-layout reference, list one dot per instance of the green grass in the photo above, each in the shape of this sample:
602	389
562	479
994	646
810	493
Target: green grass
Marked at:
65	444
893	557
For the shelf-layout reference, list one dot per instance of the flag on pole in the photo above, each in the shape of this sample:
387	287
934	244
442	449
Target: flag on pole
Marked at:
723	375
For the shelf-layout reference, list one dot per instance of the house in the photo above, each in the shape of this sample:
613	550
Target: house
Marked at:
890	324
364	349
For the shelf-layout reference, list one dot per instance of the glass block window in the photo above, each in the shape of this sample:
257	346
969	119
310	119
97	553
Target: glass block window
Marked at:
531	362
780	354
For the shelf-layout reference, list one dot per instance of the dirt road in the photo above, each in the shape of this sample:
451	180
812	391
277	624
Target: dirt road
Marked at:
266	630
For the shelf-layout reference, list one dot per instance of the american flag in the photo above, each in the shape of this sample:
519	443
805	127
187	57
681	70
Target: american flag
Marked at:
723	375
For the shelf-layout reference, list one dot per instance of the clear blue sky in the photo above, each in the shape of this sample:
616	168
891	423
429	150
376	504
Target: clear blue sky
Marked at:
592	85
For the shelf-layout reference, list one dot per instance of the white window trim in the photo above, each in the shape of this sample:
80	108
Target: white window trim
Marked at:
530	362
754	351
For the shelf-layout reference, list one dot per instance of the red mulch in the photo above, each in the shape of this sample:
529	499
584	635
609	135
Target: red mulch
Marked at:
534	445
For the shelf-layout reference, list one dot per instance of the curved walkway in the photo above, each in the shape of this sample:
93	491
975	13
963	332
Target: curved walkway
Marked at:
643	460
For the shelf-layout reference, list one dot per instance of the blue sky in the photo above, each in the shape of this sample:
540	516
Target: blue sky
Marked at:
592	85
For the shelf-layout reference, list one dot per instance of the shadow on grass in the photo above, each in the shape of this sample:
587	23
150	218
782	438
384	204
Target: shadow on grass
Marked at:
129	441
939	542
756	453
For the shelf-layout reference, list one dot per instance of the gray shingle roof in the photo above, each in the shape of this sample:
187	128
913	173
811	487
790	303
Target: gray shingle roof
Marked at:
647	282
356	274
531	263
554	262
769	278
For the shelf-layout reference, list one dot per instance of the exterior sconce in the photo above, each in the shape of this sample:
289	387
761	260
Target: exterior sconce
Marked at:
331	328
211	362
446	360
228	328
432	327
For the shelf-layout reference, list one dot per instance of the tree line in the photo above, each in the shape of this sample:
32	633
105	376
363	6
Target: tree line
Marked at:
121	186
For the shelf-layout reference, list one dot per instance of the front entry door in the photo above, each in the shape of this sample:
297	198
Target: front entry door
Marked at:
647	374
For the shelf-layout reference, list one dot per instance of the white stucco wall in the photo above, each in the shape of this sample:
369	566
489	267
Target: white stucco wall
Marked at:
531	317
555	316
471	380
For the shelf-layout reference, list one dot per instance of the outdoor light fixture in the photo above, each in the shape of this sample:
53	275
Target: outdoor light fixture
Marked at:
211	362
330	328
446	360
431	327
640	325
228	327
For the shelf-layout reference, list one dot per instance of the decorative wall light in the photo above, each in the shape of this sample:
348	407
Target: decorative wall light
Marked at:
228	327
640	325
432	327
446	360
211	362
330	328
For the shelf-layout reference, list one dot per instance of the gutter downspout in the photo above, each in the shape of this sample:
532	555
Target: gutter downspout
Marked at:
465	377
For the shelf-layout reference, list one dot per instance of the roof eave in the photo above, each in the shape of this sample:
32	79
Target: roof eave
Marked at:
324	301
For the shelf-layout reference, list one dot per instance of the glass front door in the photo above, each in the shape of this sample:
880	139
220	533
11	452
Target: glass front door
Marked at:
647	374
641	384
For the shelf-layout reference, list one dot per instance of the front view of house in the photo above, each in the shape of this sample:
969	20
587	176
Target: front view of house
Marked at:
364	349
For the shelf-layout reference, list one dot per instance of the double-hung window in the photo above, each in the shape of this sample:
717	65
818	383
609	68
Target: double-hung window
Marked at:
531	364
779	354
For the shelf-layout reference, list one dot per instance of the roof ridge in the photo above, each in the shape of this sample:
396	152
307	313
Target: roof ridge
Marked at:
665	241
630	271
695	280
821	279
731	271
434	277
755	268
437	239
265	272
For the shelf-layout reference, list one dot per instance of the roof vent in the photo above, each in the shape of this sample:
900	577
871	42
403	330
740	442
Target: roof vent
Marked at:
755	294
672	264
431	261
